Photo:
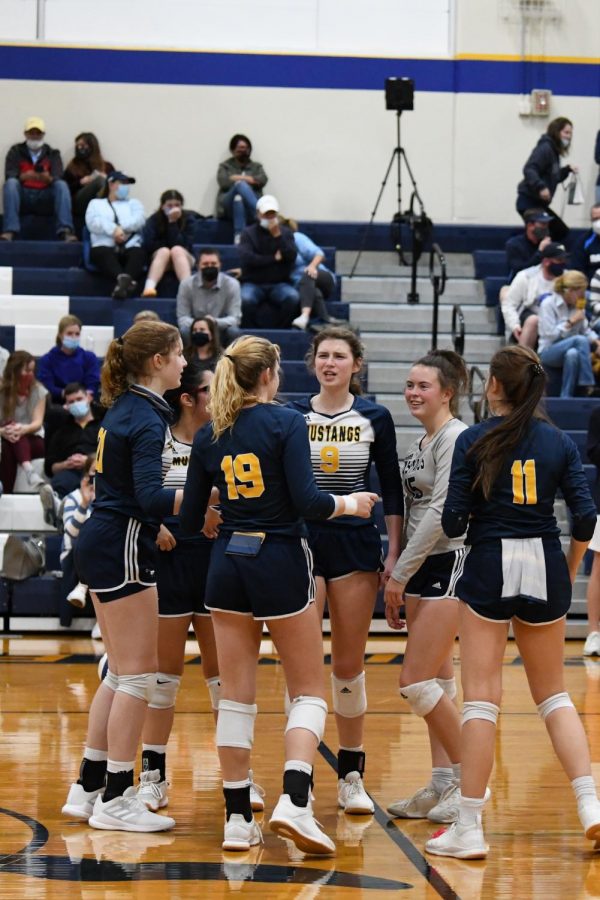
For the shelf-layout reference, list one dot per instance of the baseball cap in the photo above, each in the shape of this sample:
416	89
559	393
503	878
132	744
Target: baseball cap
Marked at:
35	122
120	176
537	215
268	203
553	250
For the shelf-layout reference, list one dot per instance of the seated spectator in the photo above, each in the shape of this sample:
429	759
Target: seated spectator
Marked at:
68	362
204	346
76	511
566	339
34	173
85	175
4	354
586	255
115	223
520	303
524	250
241	181
168	239
268	253
22	406
72	442
146	315
212	294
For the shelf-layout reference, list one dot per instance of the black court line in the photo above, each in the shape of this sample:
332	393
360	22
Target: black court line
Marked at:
38	840
431	875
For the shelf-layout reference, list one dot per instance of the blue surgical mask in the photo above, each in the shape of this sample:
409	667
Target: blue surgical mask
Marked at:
79	408
70	343
122	192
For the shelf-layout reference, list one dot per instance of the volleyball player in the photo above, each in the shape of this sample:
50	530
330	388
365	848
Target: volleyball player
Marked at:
346	433
115	557
257	454
505	476
425	579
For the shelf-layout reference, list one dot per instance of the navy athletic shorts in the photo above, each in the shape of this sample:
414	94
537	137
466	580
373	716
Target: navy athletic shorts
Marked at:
437	577
338	552
115	555
275	584
181	578
480	586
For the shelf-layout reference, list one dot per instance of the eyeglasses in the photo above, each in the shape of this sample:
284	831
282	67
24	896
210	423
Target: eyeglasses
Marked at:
203	390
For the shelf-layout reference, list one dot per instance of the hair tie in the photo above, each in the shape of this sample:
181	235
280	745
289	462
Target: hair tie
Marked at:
537	369
120	341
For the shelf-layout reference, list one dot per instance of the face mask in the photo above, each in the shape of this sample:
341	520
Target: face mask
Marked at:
200	338
596	226
209	273
34	145
566	142
169	209
122	192
25	382
79	409
264	223
242	157
540	232
556	269
70	343
82	152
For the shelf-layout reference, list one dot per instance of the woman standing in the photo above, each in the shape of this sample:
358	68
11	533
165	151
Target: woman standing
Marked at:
168	240
22	407
115	557
424	578
346	434
505	475
256	453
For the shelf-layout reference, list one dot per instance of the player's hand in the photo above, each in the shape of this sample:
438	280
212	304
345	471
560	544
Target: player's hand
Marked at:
365	500
212	520
388	567
165	540
394	600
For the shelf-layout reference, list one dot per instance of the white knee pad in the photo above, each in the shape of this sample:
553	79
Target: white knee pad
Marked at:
235	724
214	689
423	696
480	709
448	685
309	713
139	686
557	701
110	680
349	696
165	692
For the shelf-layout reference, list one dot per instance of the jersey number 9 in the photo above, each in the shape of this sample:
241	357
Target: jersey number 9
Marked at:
330	459
243	476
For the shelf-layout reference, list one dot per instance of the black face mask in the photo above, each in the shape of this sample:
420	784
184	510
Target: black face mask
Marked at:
200	338
209	273
540	232
82	152
556	269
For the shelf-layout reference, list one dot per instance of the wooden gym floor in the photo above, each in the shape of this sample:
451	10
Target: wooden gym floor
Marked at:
46	684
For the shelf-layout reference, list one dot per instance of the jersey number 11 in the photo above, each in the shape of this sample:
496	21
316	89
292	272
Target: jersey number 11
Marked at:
523	481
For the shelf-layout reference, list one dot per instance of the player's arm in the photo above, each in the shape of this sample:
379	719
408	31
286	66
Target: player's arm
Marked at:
385	457
576	491
459	496
196	493
147	444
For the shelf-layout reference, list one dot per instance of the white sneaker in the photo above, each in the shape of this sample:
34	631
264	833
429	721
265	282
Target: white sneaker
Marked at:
460	841
589	816
240	834
299	825
80	803
446	810
257	794
96	634
300	322
78	595
152	791
352	796
50	502
417	806
127	813
592	644
33	479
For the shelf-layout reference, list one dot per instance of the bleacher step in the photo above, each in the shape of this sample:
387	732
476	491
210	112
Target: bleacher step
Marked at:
395	290
387	264
382	346
418	318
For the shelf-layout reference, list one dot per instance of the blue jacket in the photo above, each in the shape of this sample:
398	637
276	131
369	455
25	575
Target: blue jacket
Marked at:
56	369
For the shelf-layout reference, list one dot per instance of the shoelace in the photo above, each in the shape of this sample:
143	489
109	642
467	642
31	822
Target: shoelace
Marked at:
256	787
150	786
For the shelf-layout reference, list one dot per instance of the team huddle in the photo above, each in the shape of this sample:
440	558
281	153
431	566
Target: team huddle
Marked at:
218	507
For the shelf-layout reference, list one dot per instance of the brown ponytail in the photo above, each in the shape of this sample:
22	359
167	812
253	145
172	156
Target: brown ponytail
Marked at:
127	357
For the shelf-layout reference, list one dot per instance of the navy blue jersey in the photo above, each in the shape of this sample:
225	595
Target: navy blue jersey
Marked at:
521	503
262	469
343	446
132	444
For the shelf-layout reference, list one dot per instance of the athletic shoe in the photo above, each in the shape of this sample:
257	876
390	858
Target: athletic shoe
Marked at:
149	292
152	791
417	806
127	813
592	644
257	802
96	634
300	322
33	479
299	825
352	796
460	841
49	501
240	834
80	803
78	595
446	810
589	816
123	287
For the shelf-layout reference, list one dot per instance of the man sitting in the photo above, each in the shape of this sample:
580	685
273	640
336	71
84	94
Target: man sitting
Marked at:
33	172
210	293
521	302
524	250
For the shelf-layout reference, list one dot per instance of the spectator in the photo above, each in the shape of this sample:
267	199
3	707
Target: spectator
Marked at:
68	362
76	511
34	172
146	315
115	223
168	239
586	255
524	250
204	345
597	159
543	173
4	354
566	339
210	293
70	445
241	181
22	405
521	301
268	253
85	175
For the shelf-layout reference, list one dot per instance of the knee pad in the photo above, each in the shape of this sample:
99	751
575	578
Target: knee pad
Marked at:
309	713
165	692
557	701
110	680
480	709
214	689
349	696
235	724
448	685
139	686
423	696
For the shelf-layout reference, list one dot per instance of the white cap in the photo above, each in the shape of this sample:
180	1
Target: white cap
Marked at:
268	203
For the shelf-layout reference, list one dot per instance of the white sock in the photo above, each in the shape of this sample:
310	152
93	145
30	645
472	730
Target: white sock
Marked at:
117	765
95	755
235	785
441	778
456	772
584	789
470	810
150	284
298	765
358	749
156	748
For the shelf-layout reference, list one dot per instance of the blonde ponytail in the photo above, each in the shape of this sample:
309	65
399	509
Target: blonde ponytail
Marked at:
236	379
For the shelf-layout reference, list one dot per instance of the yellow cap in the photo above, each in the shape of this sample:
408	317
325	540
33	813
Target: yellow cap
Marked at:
35	122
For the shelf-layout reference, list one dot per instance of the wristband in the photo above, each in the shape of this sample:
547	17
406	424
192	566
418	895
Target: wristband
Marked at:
351	505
